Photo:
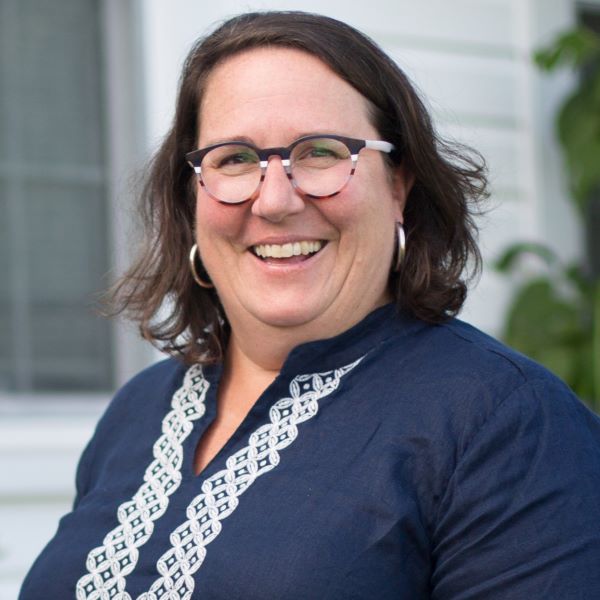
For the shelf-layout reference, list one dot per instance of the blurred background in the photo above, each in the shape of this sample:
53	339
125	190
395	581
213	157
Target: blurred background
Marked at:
87	89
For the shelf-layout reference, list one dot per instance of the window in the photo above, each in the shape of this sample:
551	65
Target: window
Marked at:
53	198
71	131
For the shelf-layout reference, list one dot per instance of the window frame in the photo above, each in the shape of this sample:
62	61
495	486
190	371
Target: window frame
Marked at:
124	117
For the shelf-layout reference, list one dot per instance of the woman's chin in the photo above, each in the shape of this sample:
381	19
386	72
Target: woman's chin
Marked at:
288	316
287	313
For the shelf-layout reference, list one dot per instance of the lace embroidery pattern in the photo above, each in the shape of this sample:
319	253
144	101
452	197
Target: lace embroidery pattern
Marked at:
220	492
108	565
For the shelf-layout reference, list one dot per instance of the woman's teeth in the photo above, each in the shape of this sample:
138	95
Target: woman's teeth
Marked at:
287	250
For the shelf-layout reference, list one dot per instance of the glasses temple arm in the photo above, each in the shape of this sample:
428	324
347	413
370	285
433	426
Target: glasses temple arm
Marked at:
379	145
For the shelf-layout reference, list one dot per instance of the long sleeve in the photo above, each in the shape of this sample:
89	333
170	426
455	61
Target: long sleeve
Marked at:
520	518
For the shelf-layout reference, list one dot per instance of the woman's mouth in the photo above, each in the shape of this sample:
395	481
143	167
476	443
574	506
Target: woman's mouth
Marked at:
284	252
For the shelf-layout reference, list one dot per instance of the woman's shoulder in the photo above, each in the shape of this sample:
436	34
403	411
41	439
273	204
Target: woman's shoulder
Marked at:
146	396
461	358
157	375
156	381
455	379
481	423
493	357
502	370
525	451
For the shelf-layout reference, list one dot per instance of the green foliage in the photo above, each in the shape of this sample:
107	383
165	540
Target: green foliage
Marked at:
555	317
550	318
511	255
578	121
576	48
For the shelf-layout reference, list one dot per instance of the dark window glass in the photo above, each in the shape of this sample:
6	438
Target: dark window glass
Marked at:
53	204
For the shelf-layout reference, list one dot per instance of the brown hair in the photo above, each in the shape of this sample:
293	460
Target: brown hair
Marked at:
442	252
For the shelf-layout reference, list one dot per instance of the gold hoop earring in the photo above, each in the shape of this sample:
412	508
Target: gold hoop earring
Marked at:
400	247
203	284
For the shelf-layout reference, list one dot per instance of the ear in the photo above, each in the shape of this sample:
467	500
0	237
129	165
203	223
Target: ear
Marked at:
402	183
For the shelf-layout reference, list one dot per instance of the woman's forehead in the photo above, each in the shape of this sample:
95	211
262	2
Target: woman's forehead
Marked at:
268	89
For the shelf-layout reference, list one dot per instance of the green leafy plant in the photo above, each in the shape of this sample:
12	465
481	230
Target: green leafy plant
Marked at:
555	315
578	120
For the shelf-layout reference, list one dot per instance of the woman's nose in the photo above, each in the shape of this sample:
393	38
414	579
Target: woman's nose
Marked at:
277	198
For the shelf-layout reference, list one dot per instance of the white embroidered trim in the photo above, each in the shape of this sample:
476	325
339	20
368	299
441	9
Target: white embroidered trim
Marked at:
109	564
219	497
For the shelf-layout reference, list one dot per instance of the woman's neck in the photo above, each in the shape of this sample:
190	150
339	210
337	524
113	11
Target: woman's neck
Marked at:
263	347
244	377
261	356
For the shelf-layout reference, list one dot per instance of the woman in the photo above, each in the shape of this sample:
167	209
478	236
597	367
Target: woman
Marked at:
334	433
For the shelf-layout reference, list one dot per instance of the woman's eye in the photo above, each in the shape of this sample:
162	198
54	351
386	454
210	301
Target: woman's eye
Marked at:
239	158
320	151
315	152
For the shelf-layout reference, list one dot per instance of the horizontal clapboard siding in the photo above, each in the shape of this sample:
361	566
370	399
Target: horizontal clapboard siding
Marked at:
38	456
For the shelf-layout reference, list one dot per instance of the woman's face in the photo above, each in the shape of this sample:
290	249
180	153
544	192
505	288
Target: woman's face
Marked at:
271	97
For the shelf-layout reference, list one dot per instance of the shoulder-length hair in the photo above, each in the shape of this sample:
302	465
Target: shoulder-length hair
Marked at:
159	292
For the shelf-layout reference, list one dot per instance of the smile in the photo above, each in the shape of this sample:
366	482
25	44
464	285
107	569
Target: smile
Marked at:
303	248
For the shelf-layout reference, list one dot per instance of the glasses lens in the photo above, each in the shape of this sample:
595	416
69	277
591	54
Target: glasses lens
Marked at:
231	173
321	166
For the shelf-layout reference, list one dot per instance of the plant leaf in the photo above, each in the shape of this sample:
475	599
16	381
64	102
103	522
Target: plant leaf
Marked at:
546	328
574	47
578	125
507	260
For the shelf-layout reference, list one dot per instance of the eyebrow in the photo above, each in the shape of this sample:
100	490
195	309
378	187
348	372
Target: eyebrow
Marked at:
225	140
248	140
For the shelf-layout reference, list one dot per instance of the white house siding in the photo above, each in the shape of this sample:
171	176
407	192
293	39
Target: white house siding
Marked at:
471	59
37	461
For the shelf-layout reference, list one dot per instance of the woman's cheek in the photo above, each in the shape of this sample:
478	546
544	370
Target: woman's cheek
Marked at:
219	219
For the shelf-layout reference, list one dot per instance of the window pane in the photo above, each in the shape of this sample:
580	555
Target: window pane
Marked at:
67	264
53	231
7	367
60	87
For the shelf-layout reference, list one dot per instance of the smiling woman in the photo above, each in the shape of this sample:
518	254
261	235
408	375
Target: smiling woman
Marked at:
277	97
325	428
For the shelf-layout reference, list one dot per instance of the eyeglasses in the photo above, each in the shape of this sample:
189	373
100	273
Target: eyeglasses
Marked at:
319	166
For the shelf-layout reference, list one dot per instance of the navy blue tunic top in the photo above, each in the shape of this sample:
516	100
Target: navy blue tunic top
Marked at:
398	460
